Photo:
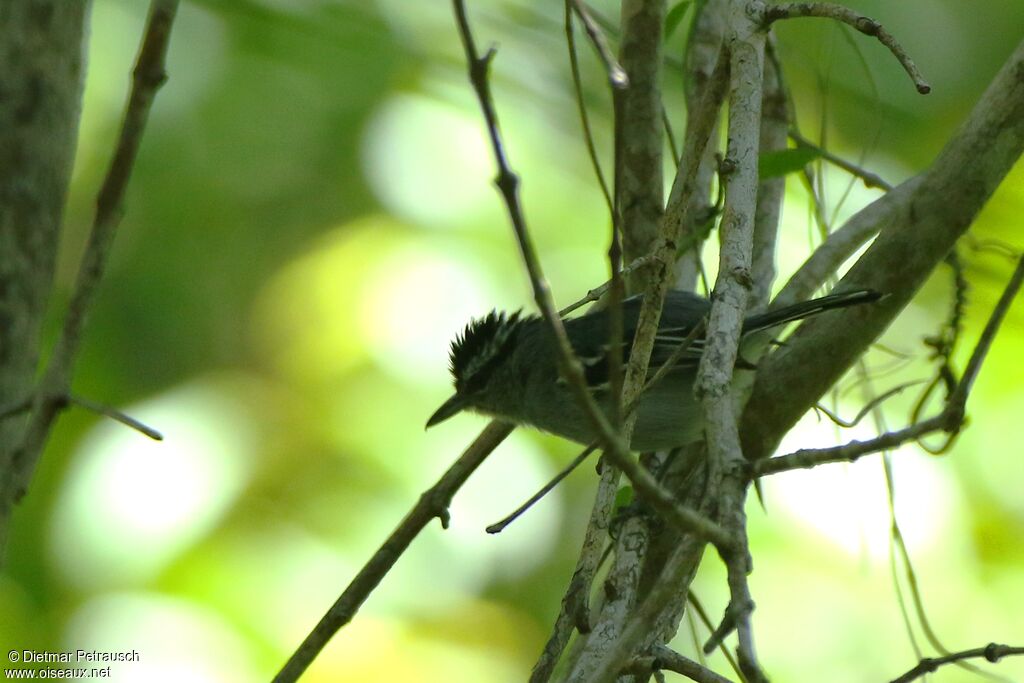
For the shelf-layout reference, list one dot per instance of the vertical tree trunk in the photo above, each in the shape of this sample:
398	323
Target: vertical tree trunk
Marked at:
42	63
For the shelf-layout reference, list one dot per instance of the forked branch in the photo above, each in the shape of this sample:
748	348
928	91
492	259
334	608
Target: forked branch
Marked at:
950	420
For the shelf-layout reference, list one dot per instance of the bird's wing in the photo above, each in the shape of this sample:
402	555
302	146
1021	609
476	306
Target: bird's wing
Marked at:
681	312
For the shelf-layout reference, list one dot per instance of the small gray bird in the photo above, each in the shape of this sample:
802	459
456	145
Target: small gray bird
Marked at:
505	366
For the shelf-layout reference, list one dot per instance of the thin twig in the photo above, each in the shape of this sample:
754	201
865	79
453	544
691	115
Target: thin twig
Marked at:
901	601
623	219
670	135
500	525
848	452
698	607
943	344
870	179
147	77
663	658
581	106
899	542
611	29
992	652
871	405
993	245
116	415
432	503
597	292
959	396
92	406
508	184
866	25
617	78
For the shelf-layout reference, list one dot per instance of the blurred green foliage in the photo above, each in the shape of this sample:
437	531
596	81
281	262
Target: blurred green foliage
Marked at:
312	219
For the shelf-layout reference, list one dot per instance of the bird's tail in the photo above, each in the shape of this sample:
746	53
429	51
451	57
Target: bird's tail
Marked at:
806	309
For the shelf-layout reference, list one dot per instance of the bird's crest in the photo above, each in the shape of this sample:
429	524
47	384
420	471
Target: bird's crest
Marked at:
484	341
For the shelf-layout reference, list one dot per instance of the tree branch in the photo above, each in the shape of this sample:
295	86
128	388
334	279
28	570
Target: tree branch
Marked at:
663	658
950	420
774	124
581	106
617	76
703	51
866	25
37	151
729	304
992	652
99	408
638	211
574	611
639	129
148	76
432	503
920	221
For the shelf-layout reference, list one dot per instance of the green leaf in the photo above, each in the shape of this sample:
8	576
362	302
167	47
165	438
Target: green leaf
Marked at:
675	17
775	164
623	497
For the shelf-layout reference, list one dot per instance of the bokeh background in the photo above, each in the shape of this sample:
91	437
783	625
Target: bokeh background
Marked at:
310	222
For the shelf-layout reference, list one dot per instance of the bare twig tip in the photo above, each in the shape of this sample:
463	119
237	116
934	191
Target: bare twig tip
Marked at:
113	414
865	25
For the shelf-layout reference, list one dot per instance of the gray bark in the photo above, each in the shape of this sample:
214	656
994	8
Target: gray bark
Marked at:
42	63
925	217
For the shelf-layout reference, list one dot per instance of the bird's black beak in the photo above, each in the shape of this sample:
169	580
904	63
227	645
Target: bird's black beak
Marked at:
450	407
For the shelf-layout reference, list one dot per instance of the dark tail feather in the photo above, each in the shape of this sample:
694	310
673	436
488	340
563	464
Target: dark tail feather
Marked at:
806	309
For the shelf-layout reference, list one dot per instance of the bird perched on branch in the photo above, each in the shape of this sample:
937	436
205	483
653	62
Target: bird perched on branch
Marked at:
506	366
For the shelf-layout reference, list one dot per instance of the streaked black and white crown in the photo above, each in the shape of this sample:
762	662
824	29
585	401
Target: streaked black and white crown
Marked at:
483	342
